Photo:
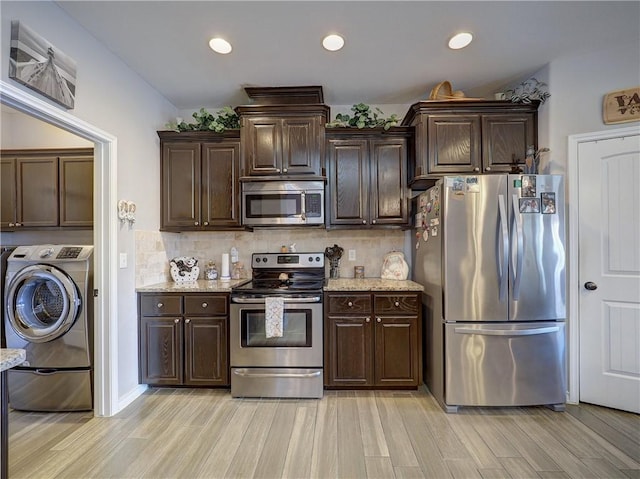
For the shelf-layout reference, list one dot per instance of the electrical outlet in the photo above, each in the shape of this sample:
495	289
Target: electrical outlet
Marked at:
352	255
123	260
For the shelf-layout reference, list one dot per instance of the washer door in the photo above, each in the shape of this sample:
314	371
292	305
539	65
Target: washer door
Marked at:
42	303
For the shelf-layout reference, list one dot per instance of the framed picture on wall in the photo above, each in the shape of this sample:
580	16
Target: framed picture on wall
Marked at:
39	65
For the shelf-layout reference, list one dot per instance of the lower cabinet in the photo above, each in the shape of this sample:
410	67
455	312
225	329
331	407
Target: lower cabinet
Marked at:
183	339
372	340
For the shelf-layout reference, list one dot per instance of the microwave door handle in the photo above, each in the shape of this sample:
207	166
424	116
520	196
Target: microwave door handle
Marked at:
303	206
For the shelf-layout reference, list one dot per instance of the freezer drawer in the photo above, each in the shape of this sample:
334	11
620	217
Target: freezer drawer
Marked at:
497	364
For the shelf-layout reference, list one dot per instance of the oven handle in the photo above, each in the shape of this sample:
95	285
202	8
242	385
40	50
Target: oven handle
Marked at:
311	299
245	373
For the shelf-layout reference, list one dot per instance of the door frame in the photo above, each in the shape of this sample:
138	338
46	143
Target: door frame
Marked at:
105	237
573	356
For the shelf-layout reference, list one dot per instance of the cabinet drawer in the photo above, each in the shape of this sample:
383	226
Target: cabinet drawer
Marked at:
396	303
349	303
160	305
205	305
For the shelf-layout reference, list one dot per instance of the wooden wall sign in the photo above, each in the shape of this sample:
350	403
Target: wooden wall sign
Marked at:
621	106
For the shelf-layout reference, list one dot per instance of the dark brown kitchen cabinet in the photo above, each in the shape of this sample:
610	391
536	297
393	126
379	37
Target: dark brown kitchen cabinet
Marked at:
46	188
367	178
371	340
282	140
183	339
469	137
200	187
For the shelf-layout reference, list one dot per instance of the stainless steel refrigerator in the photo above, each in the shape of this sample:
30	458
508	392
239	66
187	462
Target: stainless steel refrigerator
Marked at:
490	253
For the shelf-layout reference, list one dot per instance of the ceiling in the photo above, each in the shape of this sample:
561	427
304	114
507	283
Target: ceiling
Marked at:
394	53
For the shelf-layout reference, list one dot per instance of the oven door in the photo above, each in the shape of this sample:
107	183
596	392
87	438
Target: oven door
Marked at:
301	342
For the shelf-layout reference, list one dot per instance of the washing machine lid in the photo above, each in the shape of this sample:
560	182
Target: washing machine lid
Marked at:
42	303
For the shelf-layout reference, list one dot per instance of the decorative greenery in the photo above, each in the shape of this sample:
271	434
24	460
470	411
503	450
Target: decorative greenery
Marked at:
225	119
364	117
528	91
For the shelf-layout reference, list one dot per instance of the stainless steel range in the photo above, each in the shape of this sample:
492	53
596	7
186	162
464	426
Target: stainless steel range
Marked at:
285	297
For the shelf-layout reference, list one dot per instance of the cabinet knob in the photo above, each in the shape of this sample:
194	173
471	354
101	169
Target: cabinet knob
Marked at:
160	305
364	222
350	304
187	321
476	169
488	168
379	320
206	223
204	305
177	320
368	319
396	304
284	170
18	224
277	170
196	223
11	224
374	222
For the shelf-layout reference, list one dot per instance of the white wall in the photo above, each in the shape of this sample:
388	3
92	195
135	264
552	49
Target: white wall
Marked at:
114	99
23	131
577	86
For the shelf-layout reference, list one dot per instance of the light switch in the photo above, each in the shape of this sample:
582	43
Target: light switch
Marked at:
352	255
123	260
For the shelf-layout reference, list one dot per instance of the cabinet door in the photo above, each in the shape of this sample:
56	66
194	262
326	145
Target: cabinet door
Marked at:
388	181
221	184
349	359
180	191
161	342
206	351
301	145
454	144
76	191
37	191
261	138
8	192
348	182
396	351
505	139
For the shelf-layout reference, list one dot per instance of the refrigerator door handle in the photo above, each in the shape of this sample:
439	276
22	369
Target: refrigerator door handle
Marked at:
503	254
508	332
517	268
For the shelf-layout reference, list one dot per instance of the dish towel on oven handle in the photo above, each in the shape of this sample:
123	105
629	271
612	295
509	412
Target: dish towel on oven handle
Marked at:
274	312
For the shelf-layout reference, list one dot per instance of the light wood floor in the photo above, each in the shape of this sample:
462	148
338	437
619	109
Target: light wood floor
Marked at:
188	433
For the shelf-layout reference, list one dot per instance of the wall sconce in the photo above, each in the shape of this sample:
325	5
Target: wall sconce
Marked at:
127	211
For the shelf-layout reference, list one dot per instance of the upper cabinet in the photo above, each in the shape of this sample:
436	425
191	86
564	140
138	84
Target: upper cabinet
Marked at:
200	187
282	133
367	177
46	188
467	137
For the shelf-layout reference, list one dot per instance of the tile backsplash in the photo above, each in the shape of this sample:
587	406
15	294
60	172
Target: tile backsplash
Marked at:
154	249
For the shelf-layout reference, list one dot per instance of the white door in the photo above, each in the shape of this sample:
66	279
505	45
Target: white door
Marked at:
609	272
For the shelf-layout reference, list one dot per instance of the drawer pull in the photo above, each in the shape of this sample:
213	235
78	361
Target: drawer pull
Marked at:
160	305
350	304
177	320
379	320
397	304
187	321
368	320
204	305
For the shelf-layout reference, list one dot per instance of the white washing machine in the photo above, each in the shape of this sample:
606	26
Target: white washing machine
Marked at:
49	313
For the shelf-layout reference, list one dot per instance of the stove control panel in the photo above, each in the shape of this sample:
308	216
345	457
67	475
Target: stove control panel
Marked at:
287	260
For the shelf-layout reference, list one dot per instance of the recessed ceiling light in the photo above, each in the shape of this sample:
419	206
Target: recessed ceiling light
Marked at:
333	42
460	40
220	45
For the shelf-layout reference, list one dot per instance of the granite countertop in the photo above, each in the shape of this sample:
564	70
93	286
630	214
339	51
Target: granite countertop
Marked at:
200	286
372	284
11	357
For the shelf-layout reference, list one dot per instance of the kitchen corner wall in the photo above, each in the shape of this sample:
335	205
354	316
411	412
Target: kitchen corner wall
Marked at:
154	249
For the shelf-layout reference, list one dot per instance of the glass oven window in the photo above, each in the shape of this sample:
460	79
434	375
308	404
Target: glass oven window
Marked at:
273	205
296	329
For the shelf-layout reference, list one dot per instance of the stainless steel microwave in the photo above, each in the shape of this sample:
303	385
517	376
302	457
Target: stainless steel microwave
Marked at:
283	203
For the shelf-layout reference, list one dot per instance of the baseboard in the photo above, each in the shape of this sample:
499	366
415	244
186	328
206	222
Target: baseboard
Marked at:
131	396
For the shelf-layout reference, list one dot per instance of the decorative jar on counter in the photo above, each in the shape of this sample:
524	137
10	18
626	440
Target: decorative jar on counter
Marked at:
211	271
